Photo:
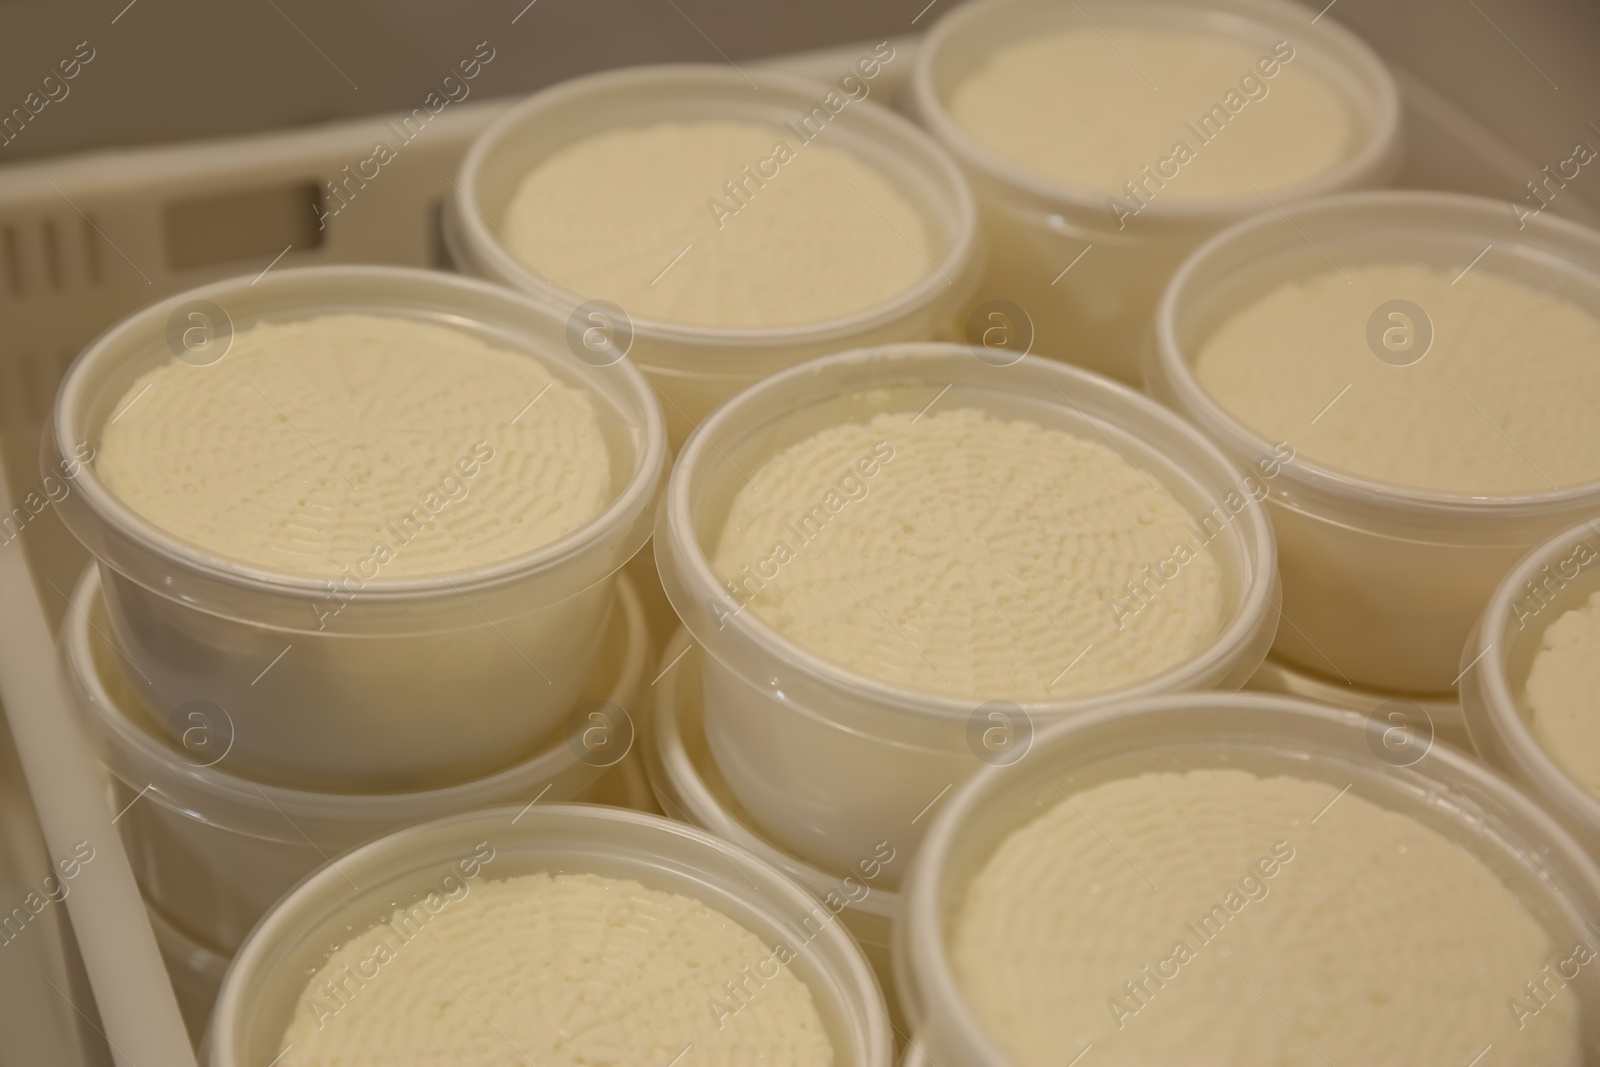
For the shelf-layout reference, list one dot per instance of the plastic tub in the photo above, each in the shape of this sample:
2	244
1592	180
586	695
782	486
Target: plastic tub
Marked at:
1381	584
197	969
1554	578
690	788
696	368
409	681
829	762
1266	735
269	974
1097	313
212	850
1430	718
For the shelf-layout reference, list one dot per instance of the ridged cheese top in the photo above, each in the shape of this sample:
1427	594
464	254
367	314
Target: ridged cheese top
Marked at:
358	444
645	217
972	556
1213	918
558	970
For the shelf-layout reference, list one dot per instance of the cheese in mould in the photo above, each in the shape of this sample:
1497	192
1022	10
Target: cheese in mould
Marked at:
1562	695
1213	918
558	970
1483	385
967	555
1156	115
359	445
729	225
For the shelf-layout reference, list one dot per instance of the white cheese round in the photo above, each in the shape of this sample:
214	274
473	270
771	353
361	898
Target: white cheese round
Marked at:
1217	918
380	445
967	555
563	970
729	225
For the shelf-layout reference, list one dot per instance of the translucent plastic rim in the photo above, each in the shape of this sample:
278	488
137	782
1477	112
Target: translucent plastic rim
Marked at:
138	758
1372	161
680	783
922	965
138	331
1355	494
867	114
833	951
1494	707
1251	533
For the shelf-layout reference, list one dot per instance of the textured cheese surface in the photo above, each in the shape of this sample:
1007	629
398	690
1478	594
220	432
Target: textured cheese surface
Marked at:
625	216
565	970
1362	937
1502	401
1563	693
1094	106
312	443
983	558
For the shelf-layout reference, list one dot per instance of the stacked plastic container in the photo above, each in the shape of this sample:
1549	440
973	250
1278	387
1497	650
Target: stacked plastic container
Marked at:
1037	226
1544	867
1558	577
251	737
1383	582
831	763
695	368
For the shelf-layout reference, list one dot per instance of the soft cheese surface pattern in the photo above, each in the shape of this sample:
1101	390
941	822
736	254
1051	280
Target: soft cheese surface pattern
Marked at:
1216	918
1096	106
357	444
1503	401
1563	693
563	970
981	557
627	216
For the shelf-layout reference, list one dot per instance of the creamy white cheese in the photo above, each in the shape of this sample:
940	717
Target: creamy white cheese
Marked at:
1499	400
723	224
1217	918
356	444
1562	698
1151	115
963	554
564	970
